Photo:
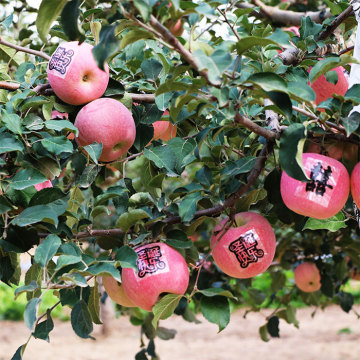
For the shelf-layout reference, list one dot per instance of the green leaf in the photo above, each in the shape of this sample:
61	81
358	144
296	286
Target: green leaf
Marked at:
162	157
19	352
351	123
273	326
309	28
69	21
144	7
94	150
291	150
33	102
88	176
64	260
107	46
282	101
268	81
43	329
323	66
26	288
81	321
247	43
9	143
187	206
165	307
5	205
353	94
264	333
34	214
346	301
26	178
204	176
49	10
12	122
94	304
216	310
30	314
47	250
241	166
57	145
251	198
60	125
104	269
128	219
151	69
135	35
332	224
216	64
127	257
216	292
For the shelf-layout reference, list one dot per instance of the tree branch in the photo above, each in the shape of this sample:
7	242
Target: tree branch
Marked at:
267	134
25	50
287	17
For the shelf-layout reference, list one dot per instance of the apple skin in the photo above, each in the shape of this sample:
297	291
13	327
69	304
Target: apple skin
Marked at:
176	28
58	115
324	89
227	260
310	203
79	80
116	292
43	185
307	277
293	29
107	121
164	129
355	184
144	288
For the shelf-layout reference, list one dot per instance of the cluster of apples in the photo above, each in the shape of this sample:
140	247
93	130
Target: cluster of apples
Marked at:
77	80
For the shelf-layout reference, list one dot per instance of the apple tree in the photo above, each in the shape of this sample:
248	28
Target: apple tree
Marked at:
244	89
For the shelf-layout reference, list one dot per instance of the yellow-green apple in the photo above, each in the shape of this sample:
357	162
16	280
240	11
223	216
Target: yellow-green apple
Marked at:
245	250
74	75
109	122
307	277
324	195
43	185
355	184
324	89
161	269
116	292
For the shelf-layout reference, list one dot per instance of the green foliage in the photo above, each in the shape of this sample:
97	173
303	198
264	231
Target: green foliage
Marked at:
238	126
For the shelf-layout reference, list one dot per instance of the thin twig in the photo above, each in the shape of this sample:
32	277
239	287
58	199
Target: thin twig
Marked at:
25	50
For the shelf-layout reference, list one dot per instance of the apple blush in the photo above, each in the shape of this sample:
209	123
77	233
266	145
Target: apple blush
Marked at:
324	195
355	184
245	250
307	277
109	122
74	75
161	269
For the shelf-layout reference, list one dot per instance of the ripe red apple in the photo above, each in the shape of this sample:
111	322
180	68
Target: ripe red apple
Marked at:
245	250
176	28
161	269
355	184
164	129
324	89
58	115
307	277
43	185
74	75
116	292
109	122
324	195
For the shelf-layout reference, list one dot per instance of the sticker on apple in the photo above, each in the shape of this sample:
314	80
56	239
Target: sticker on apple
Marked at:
61	60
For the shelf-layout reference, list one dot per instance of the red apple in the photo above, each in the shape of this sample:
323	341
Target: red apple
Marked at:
322	197
307	277
293	29
355	184
245	250
164	129
109	122
43	185
74	75
176	28
324	89
116	292
161	269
